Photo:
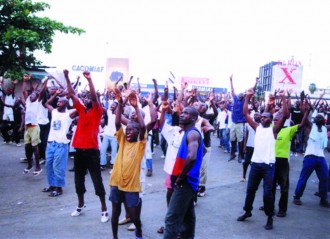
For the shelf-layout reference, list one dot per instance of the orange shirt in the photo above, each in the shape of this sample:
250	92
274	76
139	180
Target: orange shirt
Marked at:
126	170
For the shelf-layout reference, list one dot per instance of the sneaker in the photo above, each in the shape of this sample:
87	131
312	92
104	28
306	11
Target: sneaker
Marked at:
226	151
18	145
124	221
163	156
103	167
131	227
105	216
297	201
243	180
296	154
42	161
291	154
78	211
244	216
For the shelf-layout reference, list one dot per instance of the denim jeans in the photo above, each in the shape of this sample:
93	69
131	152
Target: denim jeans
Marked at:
56	159
106	142
224	140
88	159
320	166
180	216
258	172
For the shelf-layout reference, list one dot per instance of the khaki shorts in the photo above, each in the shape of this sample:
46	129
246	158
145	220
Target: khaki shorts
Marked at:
236	132
32	135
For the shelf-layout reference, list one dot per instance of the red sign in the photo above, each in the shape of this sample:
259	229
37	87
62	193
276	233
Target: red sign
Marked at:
195	80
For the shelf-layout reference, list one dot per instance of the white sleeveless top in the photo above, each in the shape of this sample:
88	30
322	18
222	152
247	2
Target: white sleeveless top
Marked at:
264	146
251	135
315	144
59	126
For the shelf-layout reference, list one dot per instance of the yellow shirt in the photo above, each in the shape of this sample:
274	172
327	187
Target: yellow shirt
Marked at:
126	170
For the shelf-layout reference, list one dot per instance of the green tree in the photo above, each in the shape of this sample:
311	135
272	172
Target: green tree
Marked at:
22	33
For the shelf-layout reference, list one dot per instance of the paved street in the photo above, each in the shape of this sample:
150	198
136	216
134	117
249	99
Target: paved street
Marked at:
26	212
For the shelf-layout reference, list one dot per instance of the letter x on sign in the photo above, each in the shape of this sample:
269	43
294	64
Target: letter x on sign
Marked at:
288	75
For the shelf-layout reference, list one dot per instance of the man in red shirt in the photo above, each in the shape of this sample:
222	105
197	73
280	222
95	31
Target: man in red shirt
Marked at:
87	156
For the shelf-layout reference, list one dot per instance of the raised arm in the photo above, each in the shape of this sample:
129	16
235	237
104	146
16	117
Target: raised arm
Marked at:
279	124
119	109
165	106
154	100
71	91
95	100
233	94
153	113
251	122
48	104
133	100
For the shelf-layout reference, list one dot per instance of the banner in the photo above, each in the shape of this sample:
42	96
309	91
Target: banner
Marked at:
116	68
287	77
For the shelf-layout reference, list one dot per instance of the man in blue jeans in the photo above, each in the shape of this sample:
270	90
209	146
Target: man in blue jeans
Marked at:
58	144
314	160
185	179
109	138
263	159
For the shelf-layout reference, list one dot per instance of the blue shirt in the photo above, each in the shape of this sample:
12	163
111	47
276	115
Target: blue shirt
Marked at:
237	115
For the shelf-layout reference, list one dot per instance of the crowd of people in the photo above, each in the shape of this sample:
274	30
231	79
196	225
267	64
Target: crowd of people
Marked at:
120	126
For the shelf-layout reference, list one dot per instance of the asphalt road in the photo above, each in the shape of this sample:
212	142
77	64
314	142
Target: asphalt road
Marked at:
26	212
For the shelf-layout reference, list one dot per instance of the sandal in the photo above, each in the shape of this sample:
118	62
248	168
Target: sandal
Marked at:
55	194
36	173
161	230
47	190
78	211
26	170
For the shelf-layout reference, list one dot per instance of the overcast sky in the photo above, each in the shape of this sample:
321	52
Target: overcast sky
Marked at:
211	39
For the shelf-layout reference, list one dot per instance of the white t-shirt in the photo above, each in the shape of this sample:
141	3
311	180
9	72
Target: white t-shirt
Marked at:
173	136
59	126
8	113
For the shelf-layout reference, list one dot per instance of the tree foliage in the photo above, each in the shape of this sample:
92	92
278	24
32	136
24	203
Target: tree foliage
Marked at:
22	33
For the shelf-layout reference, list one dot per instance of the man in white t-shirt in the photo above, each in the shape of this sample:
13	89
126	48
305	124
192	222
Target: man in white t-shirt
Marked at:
58	144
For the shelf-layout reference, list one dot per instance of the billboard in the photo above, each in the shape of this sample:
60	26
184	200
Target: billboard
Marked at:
116	68
287	76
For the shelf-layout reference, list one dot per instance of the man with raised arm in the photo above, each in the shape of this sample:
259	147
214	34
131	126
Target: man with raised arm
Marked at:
263	159
85	141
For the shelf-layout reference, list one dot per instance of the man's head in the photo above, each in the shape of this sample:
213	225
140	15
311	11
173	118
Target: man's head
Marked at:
132	131
52	90
87	100
188	116
257	117
198	106
113	106
62	103
319	120
34	96
240	96
266	119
